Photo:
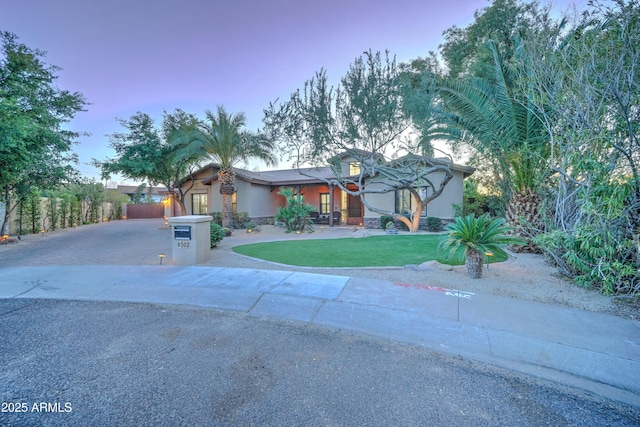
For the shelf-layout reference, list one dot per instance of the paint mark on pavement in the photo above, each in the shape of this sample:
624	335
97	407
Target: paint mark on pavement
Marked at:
448	292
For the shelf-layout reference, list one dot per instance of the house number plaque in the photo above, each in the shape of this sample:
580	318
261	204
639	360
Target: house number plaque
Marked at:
182	232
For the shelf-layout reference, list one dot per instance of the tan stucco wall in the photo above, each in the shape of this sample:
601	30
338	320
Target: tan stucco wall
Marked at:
199	188
215	198
263	202
441	207
258	200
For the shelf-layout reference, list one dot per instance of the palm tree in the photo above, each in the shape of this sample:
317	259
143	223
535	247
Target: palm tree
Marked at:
221	138
477	237
498	119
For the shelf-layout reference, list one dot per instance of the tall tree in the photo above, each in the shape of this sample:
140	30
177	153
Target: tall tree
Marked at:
493	110
222	138
590	75
155	154
498	119
35	151
363	118
502	22
419	80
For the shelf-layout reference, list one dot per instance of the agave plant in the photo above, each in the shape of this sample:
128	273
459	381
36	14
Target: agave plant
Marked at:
476	237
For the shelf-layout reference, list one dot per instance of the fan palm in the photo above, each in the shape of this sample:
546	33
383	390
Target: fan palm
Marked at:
477	237
497	118
221	138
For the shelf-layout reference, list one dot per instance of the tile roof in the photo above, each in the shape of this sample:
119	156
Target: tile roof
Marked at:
278	177
312	175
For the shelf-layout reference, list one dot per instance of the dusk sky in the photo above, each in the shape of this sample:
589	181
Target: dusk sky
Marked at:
141	55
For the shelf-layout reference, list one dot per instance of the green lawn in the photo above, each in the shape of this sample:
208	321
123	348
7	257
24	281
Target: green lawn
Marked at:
374	251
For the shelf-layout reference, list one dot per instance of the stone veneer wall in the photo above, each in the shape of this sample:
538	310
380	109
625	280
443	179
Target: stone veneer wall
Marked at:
374	223
262	220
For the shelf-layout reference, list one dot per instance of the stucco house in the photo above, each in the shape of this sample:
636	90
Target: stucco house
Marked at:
257	194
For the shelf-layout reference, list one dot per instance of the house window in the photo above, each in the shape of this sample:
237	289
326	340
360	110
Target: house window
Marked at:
406	203
403	202
354	168
199	204
325	203
234	202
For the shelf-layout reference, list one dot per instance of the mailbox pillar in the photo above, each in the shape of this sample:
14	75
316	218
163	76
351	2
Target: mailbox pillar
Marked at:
191	239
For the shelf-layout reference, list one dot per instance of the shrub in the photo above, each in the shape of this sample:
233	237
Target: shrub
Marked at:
390	225
384	220
53	212
251	225
30	208
217	217
238	219
296	214
217	234
117	200
601	249
433	223
477	203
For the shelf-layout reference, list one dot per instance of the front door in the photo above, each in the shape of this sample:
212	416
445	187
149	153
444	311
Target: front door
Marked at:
354	210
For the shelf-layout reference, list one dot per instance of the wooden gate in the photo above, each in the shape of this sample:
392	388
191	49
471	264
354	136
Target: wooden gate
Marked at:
144	210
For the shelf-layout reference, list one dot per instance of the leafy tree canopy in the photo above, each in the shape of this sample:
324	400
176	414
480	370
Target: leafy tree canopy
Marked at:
503	22
35	150
222	137
362	119
153	153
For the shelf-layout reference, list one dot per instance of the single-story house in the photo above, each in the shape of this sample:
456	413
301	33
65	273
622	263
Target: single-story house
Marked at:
257	194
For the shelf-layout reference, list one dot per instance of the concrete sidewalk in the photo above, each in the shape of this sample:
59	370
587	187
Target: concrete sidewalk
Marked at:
593	351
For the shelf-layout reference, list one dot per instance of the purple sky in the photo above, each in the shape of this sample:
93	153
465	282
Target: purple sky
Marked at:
133	55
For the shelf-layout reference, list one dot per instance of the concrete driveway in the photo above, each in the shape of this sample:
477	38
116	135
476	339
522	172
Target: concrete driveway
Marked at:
132	242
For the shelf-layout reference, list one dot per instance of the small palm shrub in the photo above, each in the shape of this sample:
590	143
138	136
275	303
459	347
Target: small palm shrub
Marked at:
477	236
217	233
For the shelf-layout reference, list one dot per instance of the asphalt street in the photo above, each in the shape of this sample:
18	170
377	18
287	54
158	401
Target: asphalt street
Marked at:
107	364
